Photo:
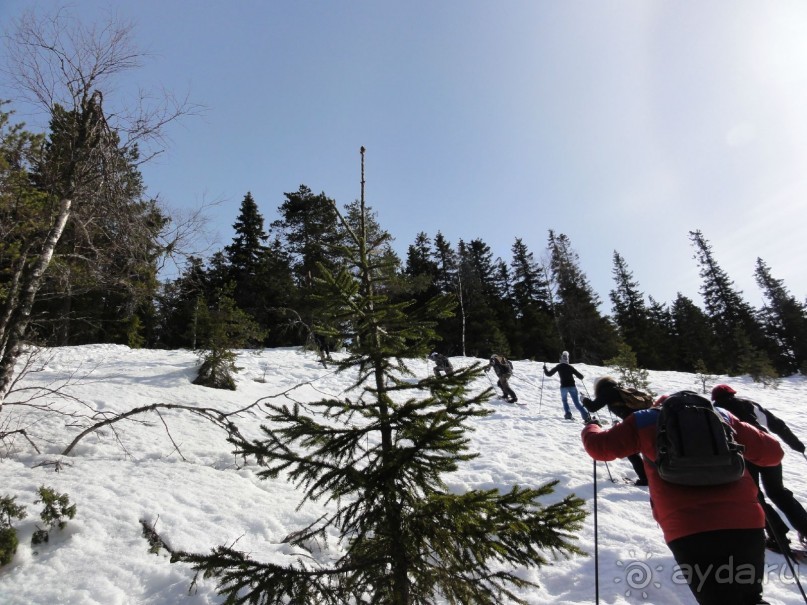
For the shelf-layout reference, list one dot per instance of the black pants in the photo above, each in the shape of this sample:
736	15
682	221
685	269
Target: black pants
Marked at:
723	567
638	466
770	478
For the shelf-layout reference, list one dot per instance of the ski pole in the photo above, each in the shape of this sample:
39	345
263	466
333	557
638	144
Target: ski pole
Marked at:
490	380
785	548
596	544
610	476
541	395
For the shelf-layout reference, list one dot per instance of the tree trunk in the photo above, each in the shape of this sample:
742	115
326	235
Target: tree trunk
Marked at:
19	318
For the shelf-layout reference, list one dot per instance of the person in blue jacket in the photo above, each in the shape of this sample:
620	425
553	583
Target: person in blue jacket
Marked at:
568	388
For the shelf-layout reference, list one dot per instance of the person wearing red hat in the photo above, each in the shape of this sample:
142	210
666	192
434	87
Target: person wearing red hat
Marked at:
707	528
751	412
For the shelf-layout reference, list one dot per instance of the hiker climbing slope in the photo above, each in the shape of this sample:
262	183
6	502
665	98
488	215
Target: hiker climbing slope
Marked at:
769	477
504	370
568	388
706	526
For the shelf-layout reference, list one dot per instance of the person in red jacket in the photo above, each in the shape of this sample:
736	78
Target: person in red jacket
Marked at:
715	533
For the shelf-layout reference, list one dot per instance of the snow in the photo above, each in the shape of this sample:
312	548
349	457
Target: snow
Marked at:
176	472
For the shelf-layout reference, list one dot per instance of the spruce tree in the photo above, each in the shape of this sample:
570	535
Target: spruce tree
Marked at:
309	232
379	458
223	327
446	260
585	333
785	319
248	246
626	366
660	352
504	306
421	269
630	313
529	287
484	334
695	344
178	307
260	273
740	334
450	329
104	269
536	336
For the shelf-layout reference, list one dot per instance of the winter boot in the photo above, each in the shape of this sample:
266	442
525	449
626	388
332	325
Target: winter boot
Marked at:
772	545
568	416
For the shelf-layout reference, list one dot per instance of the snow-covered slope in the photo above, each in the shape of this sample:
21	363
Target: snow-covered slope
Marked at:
176	472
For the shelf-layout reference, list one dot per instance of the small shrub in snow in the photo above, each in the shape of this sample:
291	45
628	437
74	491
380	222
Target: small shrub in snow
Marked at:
57	509
9	510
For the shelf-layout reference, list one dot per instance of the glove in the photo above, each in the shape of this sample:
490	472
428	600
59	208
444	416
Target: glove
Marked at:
586	402
594	420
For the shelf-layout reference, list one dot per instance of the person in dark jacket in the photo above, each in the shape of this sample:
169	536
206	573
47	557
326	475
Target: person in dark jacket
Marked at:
770	477
323	347
715	533
568	388
442	365
504	370
606	393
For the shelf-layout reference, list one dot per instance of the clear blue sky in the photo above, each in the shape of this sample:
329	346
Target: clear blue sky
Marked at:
623	124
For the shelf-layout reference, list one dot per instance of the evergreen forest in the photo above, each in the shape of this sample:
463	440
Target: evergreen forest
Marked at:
263	289
84	248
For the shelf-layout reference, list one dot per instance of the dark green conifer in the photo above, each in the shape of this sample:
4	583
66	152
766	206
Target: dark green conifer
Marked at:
379	459
586	334
740	335
631	314
785	319
694	342
535	334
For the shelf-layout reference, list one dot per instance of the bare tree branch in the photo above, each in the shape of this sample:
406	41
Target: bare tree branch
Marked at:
218	417
68	69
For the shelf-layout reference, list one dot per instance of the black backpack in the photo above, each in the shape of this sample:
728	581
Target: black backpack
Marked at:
694	444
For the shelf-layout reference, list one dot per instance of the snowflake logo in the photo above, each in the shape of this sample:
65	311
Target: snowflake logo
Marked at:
638	575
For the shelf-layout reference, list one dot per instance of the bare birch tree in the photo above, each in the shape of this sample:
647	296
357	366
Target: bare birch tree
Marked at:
69	70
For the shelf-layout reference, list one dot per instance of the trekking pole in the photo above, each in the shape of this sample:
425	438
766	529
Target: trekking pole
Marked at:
490	380
541	396
610	476
596	544
785	548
